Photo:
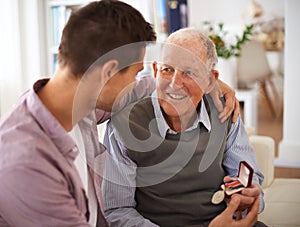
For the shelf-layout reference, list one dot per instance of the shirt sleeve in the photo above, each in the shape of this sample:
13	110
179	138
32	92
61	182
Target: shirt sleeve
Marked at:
118	187
144	87
27	200
239	148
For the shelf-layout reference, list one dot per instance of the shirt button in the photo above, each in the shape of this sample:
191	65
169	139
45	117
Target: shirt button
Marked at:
75	149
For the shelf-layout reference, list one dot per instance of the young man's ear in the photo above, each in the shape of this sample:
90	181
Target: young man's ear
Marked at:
100	74
109	69
213	77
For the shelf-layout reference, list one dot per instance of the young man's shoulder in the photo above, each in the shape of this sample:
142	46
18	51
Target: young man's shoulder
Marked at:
22	139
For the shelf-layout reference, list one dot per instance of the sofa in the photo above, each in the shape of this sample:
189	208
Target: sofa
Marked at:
282	195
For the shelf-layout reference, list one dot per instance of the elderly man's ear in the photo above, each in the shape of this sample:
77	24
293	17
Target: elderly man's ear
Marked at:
213	77
154	67
215	73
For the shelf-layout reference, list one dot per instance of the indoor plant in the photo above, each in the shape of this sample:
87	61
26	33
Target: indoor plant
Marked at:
228	48
219	36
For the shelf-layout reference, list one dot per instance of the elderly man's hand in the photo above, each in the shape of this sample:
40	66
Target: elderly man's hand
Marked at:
247	196
231	103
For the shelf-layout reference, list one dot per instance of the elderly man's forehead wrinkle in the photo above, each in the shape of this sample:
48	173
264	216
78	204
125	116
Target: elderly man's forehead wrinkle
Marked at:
183	53
183	64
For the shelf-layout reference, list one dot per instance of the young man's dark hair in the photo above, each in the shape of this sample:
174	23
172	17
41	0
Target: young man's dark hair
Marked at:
40	170
99	28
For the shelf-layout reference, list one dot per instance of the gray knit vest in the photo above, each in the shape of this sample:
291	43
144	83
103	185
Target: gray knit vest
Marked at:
176	175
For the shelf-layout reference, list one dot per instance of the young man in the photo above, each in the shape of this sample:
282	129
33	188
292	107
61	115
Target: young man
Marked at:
40	184
49	149
170	153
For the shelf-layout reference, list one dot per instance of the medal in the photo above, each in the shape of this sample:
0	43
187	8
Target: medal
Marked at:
218	197
235	185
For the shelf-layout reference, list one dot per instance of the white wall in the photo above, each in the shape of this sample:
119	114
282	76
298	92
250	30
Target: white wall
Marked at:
143	6
234	13
289	148
32	34
230	11
10	58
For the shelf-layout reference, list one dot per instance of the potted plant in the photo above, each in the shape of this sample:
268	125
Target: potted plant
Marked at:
220	38
227	48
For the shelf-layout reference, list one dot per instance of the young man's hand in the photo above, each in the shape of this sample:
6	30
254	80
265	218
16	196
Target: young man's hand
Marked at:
225	219
231	102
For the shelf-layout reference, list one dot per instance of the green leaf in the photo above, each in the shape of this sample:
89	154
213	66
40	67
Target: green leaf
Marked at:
225	50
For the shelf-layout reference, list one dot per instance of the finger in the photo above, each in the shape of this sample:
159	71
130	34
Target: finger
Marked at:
232	206
218	103
250	220
230	102
255	207
236	111
252	215
223	113
228	178
238	215
253	191
226	115
228	109
216	93
246	200
216	99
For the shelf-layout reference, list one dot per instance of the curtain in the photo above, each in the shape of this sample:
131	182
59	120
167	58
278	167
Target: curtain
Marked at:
23	48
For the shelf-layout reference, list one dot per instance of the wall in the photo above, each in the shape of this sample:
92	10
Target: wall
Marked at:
10	58
22	58
289	148
233	12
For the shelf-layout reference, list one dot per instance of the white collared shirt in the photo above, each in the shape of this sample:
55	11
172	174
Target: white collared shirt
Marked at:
163	126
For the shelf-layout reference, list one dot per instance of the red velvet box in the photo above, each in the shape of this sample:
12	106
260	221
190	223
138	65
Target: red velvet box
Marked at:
243	180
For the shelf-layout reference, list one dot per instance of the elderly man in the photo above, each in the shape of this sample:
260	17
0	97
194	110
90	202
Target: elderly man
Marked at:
49	136
50	155
170	153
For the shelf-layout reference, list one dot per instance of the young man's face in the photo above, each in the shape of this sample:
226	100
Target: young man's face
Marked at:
118	85
181	81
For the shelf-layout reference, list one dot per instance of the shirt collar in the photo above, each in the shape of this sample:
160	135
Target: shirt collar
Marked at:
164	128
49	123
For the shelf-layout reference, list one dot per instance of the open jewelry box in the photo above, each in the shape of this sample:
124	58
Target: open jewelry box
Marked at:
243	180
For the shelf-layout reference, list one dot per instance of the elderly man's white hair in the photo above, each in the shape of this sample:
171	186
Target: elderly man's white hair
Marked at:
195	41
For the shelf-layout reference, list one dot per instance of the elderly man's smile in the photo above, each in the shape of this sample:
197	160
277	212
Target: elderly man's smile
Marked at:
176	96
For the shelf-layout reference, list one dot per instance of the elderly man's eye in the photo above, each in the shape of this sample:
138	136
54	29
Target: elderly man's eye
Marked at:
166	69
188	73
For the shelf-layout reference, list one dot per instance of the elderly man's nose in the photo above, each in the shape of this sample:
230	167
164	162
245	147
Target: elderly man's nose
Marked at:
177	79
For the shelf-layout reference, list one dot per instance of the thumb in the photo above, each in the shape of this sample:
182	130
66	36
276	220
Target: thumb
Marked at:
233	205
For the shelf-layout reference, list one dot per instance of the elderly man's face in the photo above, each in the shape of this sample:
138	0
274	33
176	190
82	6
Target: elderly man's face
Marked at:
181	81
